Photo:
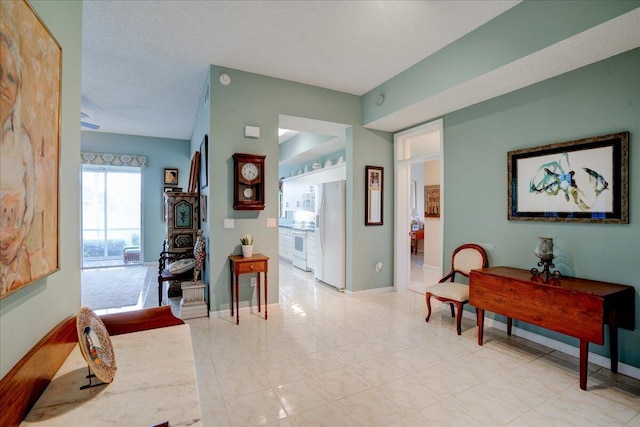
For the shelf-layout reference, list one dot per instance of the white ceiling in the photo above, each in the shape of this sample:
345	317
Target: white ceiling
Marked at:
144	63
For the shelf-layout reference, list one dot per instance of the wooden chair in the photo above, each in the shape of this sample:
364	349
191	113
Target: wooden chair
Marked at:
168	258
187	265
464	259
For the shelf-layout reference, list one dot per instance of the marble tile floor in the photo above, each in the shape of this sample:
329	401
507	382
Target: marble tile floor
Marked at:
324	358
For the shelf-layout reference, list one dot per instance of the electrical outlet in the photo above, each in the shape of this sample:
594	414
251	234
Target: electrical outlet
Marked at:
254	281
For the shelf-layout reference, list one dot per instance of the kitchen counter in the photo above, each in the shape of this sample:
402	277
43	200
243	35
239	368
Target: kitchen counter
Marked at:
301	227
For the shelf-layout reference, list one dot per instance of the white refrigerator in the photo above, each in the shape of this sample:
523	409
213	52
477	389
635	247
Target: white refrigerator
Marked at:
331	233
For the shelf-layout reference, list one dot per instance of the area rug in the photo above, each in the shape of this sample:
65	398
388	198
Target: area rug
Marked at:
113	287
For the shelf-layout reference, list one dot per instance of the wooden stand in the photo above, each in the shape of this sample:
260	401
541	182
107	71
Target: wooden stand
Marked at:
257	263
576	307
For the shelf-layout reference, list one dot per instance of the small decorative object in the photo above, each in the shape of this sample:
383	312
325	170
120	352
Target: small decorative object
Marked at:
247	245
170	176
95	345
198	255
544	251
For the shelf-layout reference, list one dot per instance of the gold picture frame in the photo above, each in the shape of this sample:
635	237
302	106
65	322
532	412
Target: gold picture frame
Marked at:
30	159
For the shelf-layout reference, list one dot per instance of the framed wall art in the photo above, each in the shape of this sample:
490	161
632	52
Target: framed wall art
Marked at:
586	180
432	201
170	176
204	162
31	64
374	186
194	172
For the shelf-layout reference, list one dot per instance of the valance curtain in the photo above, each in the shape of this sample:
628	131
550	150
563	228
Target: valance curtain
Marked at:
112	159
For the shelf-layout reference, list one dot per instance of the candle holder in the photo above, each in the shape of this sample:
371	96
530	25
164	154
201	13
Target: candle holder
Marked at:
544	251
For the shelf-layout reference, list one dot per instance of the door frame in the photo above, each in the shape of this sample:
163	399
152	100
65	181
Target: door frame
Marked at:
402	160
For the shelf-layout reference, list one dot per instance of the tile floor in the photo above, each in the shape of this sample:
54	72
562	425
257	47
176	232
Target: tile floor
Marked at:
329	359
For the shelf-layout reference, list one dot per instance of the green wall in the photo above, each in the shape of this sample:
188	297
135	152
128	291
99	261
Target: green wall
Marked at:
257	100
161	153
520	31
28	314
596	100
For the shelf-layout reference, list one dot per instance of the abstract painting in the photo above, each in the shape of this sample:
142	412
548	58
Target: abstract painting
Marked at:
583	181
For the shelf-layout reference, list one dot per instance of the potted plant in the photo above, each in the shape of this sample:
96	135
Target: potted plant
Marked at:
247	245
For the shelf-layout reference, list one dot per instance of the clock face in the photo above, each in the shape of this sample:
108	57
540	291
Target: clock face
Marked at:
249	171
248	192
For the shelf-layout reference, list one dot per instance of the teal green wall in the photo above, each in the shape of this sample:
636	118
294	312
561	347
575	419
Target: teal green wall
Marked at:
522	30
257	100
161	153
596	100
28	314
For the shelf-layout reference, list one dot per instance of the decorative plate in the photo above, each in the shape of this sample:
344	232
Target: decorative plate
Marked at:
95	344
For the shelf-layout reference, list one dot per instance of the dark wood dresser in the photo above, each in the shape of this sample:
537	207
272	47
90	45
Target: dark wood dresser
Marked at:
569	305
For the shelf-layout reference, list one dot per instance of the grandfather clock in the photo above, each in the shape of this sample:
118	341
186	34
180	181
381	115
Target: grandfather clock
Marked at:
182	219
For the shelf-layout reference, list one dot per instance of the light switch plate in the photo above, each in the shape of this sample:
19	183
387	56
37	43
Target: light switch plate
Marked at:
271	223
229	223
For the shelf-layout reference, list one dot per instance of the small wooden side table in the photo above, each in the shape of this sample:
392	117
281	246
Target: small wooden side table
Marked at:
238	264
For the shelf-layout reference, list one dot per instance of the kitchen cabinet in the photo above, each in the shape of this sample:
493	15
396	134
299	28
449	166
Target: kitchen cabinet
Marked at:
285	243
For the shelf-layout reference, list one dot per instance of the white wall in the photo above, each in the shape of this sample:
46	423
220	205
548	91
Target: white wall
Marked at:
432	234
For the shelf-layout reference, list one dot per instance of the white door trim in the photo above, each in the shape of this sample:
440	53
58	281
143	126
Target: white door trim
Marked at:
402	160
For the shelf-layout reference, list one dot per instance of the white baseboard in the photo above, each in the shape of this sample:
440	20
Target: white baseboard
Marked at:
245	309
596	359
369	292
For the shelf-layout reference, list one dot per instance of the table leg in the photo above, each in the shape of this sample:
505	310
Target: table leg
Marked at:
233	277
584	361
258	292
266	285
613	347
237	302
509	325
480	319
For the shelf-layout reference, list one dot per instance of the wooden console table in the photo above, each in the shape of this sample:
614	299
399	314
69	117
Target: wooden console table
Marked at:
569	305
258	263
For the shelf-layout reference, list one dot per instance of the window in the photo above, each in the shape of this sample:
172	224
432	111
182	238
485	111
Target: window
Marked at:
111	213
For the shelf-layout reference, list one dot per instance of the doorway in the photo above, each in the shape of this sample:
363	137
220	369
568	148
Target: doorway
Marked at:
418	147
111	216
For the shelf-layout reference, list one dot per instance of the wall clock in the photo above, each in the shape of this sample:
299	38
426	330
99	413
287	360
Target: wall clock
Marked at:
248	181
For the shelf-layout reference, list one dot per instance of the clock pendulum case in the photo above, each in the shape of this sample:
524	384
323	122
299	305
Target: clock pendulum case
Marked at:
248	181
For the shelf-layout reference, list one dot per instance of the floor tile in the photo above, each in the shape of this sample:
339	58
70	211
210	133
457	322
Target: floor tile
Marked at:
325	358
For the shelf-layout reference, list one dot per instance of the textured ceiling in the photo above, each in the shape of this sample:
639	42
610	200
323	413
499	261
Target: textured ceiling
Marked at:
144	63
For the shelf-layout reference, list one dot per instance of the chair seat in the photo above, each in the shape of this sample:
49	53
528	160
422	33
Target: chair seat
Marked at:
450	290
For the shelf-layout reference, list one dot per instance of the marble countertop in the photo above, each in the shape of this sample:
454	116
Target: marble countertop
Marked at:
155	382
